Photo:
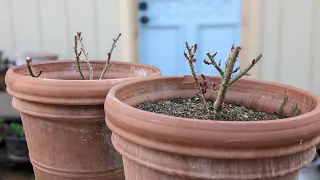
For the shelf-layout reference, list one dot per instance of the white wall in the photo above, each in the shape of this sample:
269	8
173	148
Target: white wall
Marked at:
290	42
50	25
287	32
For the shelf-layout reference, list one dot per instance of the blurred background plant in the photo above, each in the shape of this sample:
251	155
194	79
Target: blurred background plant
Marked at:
16	130
12	129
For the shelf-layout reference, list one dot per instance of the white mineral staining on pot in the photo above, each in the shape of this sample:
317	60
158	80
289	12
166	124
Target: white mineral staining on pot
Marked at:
141	72
116	81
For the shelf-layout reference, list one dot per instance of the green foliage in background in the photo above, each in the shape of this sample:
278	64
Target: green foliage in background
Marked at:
16	129
12	129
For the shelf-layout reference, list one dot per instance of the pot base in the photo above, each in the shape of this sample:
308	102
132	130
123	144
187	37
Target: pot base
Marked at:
50	174
139	172
144	163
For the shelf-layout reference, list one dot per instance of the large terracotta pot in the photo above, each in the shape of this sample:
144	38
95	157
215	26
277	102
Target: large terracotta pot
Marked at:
155	146
63	118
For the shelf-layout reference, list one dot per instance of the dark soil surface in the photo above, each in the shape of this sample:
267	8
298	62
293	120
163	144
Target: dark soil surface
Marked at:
193	108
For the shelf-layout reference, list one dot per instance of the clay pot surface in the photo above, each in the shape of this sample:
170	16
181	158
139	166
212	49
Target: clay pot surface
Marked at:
63	117
155	146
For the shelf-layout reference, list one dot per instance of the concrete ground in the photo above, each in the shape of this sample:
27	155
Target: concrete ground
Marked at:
24	172
312	171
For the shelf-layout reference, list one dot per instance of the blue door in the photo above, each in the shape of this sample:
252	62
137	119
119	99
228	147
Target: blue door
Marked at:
165	26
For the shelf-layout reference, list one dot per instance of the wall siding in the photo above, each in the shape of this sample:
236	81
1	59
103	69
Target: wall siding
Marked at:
287	33
290	43
314	76
50	26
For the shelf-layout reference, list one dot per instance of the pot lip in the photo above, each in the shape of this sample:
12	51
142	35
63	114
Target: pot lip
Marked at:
11	72
213	138
127	108
67	92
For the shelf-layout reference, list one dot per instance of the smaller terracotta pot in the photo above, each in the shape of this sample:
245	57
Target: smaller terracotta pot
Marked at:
63	117
155	146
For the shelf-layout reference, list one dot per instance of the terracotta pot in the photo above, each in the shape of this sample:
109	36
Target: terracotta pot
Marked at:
63	118
155	146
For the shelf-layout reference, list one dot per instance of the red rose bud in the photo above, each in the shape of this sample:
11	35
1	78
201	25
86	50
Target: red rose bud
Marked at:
204	90
194	60
203	76
219	64
213	55
185	55
253	61
207	62
234	71
232	48
195	48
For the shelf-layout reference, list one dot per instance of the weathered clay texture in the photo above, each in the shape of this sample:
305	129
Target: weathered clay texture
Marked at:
63	118
157	146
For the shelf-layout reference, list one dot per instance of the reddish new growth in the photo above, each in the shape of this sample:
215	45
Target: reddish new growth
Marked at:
109	56
78	51
201	87
227	78
78	39
204	84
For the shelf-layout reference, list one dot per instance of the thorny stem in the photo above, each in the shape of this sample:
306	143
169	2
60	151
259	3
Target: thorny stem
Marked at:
191	60
78	54
284	103
29	65
246	70
85	55
109	56
217	106
213	62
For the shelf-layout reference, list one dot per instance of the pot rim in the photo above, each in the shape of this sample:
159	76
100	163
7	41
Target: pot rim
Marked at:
66	92
315	111
214	138
80	82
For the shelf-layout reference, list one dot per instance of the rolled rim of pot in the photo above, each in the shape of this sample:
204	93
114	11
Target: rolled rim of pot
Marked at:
213	138
61	83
